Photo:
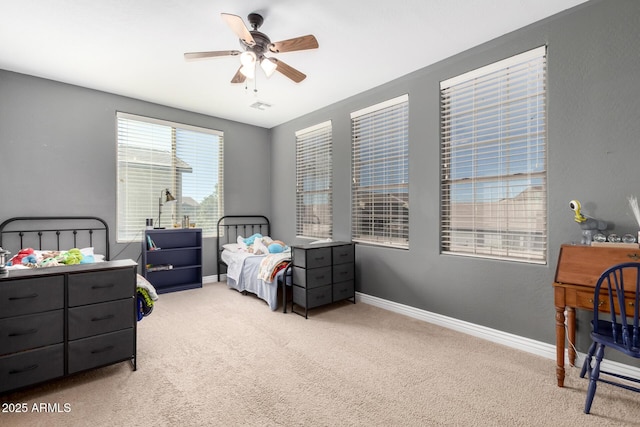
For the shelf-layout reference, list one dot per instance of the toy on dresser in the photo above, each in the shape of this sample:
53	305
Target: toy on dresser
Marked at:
590	226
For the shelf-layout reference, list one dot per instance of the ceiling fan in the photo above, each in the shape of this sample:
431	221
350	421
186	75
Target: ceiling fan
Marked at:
255	45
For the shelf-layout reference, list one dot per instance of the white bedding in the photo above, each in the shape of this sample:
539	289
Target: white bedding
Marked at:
242	275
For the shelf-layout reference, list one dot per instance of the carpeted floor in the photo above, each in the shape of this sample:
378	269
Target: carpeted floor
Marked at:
213	357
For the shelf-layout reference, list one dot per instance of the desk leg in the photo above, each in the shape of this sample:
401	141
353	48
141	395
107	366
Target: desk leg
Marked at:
571	330
560	345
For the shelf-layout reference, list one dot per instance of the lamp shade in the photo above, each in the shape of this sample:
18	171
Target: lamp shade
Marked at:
169	197
249	71
268	66
247	58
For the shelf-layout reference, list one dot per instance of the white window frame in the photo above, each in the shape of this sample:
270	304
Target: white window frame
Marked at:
314	181
380	174
156	155
493	161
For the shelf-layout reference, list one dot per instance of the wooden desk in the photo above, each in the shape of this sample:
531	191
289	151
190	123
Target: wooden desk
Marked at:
577	273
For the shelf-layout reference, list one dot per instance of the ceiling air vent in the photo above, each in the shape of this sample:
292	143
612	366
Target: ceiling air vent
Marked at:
259	105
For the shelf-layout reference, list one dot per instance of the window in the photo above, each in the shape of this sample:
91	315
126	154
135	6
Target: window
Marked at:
380	174
314	188
493	160
154	155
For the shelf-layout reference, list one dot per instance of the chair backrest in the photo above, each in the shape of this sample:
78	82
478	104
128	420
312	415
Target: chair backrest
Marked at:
612	285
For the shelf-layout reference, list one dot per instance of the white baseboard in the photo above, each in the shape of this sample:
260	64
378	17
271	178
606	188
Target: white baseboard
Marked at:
510	340
214	278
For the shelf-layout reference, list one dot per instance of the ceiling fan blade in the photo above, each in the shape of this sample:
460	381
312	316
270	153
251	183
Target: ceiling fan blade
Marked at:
238	77
289	71
298	43
237	26
212	54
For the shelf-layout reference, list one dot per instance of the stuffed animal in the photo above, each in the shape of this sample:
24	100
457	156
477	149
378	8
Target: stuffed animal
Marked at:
30	260
48	262
251	239
277	247
259	248
17	258
70	257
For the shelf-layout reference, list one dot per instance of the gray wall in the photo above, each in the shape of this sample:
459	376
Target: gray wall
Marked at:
58	154
593	156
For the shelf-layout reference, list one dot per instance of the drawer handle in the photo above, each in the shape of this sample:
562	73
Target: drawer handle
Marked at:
109	285
98	319
102	350
343	273
19	371
600	303
24	297
633	256
320	258
28	332
320	277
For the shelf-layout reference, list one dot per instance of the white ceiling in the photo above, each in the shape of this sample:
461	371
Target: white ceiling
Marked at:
135	47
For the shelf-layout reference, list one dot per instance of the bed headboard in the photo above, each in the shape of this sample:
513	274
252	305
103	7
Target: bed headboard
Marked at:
231	226
55	233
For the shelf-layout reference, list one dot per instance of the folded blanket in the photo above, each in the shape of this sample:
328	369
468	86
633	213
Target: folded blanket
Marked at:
271	264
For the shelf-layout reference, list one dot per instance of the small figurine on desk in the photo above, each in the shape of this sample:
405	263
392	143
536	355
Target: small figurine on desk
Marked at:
589	226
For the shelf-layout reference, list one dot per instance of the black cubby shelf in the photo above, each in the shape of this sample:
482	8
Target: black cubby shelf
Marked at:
172	258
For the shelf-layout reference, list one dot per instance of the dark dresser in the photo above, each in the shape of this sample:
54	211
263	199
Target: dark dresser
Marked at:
57	321
322	274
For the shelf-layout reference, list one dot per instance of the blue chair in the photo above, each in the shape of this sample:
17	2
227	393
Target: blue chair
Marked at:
618	330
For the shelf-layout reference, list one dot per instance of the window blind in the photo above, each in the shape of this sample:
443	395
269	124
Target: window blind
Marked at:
314	184
154	155
380	173
493	160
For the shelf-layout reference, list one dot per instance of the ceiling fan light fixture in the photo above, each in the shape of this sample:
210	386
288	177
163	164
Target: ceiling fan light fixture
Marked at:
268	66
248	58
249	71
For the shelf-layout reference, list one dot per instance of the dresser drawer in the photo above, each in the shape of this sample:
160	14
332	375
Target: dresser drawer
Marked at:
95	319
342	272
585	301
312	278
31	331
30	367
100	350
343	290
311	258
315	297
26	296
343	254
100	286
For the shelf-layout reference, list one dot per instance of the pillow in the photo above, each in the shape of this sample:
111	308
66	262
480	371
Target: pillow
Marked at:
86	251
232	247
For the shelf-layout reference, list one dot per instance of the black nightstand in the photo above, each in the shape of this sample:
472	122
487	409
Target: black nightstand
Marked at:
322	274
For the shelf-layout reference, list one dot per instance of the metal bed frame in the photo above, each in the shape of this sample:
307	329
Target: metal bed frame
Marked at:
55	233
229	227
